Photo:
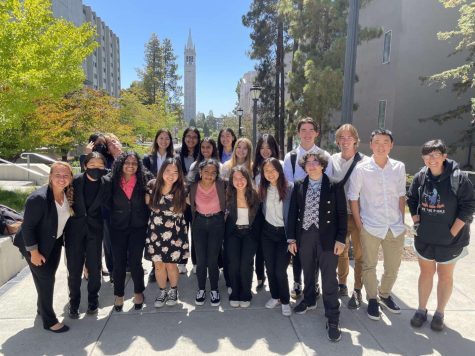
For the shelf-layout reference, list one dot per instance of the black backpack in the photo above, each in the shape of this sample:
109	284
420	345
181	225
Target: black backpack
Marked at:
9	216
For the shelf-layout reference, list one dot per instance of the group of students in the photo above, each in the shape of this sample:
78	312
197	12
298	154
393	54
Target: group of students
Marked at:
244	210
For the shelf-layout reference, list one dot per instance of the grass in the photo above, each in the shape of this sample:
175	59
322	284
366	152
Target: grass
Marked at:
14	199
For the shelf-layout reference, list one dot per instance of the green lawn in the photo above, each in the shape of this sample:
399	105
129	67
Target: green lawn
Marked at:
14	199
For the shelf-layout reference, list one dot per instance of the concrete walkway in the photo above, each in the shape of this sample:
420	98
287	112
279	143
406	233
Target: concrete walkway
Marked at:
186	329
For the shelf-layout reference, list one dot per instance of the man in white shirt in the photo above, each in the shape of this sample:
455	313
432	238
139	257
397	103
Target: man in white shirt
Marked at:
307	130
380	186
340	168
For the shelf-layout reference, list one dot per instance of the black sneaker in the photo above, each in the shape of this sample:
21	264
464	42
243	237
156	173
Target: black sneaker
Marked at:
373	309
214	298
172	296
437	323
355	300
390	305
296	291
91	309
151	276
333	331
302	307
418	319
200	297
73	313
161	298
342	291
318	293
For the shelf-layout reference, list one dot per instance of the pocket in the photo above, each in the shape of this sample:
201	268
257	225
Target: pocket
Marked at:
435	233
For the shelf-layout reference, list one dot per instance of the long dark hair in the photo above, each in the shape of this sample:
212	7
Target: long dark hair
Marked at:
184	148
119	165
282	183
258	159
170	151
250	194
178	188
220	145
95	155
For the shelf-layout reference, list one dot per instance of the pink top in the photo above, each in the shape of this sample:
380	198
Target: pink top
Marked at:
128	187
207	202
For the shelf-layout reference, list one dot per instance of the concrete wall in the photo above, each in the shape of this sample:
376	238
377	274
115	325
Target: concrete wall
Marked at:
14	173
11	261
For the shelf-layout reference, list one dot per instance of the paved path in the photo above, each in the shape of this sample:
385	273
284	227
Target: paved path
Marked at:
186	329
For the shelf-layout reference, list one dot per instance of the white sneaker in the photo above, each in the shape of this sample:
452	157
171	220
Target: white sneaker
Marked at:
230	290
194	269
182	269
272	303
286	311
243	304
234	303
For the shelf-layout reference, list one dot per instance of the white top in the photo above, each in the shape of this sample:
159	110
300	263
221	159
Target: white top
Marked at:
379	190
337	168
160	160
299	172
242	216
274	209
63	216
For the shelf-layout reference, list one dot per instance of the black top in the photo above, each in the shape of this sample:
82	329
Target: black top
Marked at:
91	188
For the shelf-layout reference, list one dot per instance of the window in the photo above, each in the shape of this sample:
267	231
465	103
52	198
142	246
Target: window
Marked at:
387	47
382	114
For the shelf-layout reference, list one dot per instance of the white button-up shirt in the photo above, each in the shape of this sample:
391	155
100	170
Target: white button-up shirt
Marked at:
274	213
379	190
299	172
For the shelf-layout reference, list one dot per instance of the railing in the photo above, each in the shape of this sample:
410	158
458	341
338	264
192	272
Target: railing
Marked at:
28	170
27	155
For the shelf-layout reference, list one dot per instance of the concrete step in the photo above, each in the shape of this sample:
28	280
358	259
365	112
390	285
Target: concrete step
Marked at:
18	185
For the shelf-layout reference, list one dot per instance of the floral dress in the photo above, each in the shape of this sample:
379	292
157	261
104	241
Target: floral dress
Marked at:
167	234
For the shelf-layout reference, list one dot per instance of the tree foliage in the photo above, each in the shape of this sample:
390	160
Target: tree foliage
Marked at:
40	59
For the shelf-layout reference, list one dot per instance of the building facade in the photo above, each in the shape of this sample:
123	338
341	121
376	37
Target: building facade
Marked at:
389	92
102	68
190	80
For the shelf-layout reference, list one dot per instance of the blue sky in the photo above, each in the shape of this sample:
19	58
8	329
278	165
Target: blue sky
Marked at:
220	39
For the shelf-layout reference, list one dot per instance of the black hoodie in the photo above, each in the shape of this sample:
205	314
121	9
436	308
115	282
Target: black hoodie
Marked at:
439	207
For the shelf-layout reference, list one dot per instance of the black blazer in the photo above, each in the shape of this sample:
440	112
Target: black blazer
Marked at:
125	213
150	162
84	219
40	224
255	219
333	222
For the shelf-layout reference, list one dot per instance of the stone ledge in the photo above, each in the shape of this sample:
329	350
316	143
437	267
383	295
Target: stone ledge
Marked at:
11	261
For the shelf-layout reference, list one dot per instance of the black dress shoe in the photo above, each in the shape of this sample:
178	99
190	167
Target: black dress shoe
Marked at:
73	313
92	309
118	308
139	306
58	331
260	283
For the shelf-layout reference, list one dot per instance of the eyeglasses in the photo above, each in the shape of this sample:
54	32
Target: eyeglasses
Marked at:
312	163
432	155
133	164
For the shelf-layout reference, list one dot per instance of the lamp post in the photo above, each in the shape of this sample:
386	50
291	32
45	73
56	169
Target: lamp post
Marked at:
255	94
239	112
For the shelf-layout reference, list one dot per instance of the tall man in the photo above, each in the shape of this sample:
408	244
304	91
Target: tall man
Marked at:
340	168
307	131
380	186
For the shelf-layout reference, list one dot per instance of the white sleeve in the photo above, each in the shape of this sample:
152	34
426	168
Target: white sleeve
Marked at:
288	168
329	169
356	181
402	181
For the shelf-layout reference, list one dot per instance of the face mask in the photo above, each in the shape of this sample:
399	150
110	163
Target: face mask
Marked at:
100	148
95	173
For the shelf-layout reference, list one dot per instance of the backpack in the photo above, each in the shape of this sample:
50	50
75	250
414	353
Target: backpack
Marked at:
10	220
293	160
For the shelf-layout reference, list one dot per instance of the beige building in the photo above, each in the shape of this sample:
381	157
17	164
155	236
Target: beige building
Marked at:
389	92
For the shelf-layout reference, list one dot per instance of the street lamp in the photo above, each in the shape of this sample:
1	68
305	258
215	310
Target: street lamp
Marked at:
239	112
255	94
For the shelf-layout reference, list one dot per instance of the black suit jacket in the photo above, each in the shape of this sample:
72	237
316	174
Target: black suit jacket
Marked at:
255	220
87	220
332	212
40	224
150	162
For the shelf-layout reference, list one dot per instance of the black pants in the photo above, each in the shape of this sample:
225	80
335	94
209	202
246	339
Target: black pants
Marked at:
85	249
310	252
297	269
259	261
276	256
107	246
128	245
44	278
241	248
208	234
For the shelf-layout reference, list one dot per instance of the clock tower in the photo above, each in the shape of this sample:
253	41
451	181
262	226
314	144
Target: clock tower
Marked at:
190	80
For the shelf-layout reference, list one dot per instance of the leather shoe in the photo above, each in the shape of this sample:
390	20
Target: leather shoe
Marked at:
73	313
260	283
92	309
63	329
139	306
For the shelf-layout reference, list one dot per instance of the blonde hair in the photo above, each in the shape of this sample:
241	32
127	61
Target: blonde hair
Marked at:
233	162
349	128
69	190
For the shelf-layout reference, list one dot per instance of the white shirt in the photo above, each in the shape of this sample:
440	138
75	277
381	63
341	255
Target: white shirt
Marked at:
337	168
242	216
63	216
299	172
160	160
379	190
274	207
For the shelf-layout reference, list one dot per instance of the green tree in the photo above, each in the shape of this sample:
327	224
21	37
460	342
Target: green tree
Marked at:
40	59
152	74
461	78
